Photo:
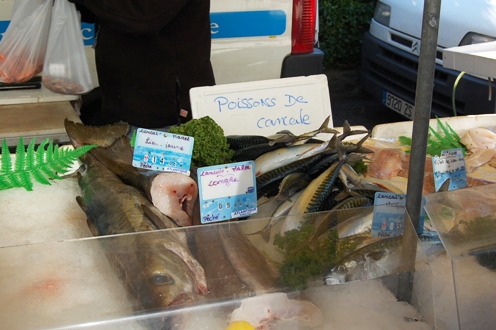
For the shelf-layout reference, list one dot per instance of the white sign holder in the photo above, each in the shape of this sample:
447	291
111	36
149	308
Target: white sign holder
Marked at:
265	107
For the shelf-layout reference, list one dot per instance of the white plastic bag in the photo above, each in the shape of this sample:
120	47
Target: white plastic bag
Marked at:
23	46
66	69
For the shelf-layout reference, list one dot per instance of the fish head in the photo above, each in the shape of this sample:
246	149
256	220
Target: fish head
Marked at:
337	275
166	280
352	267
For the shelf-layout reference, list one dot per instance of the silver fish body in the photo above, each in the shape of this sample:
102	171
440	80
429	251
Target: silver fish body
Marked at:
284	156
374	260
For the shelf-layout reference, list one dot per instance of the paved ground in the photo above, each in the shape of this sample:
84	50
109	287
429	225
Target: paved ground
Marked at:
350	102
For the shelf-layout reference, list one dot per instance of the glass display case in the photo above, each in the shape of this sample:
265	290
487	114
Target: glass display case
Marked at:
208	276
466	222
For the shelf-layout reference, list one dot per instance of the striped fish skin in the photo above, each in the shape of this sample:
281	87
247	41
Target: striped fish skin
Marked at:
238	142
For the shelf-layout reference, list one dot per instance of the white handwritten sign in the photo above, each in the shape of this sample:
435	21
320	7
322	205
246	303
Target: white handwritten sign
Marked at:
450	166
265	107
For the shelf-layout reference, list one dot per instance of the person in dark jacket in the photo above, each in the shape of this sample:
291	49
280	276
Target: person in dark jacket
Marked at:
149	54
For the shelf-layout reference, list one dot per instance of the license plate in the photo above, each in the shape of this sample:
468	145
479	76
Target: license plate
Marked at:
397	104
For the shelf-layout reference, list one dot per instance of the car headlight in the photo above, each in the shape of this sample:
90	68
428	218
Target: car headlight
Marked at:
382	13
475	38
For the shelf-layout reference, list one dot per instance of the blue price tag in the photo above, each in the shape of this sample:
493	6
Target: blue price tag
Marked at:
163	151
227	191
389	214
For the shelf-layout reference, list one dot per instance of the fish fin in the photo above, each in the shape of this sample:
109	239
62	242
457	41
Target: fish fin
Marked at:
445	186
92	227
90	222
160	220
119	151
324	128
81	203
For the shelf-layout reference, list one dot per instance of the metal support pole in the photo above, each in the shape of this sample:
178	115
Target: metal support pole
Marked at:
423	103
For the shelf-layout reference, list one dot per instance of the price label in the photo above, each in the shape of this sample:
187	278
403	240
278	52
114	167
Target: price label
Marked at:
389	214
449	170
227	191
163	151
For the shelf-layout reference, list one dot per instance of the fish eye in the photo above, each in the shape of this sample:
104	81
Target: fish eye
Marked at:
161	279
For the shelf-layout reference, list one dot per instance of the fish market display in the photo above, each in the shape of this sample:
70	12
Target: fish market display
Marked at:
312	192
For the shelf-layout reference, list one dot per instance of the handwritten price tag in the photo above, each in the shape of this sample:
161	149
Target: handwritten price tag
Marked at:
449	170
163	151
227	191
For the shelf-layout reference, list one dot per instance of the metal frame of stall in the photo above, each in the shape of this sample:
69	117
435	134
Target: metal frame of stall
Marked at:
422	115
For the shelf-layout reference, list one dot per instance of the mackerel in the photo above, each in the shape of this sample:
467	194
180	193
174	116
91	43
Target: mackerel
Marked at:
284	156
316	193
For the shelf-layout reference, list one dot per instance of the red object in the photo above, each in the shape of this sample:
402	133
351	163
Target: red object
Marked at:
304	19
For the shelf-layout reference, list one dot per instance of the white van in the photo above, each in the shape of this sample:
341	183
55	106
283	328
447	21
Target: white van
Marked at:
251	39
390	56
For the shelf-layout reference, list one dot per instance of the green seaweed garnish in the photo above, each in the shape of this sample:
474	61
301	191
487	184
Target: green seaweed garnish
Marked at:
437	142
42	164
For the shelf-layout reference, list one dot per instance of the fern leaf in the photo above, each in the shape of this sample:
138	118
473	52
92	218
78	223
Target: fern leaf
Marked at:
6	158
41	176
42	164
20	156
25	180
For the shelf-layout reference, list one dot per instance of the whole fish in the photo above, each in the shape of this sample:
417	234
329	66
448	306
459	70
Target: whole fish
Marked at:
158	268
374	260
314	195
284	156
173	194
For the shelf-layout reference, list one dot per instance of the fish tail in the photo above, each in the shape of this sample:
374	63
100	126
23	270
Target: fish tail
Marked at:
80	134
